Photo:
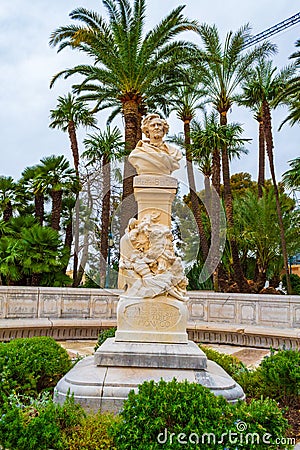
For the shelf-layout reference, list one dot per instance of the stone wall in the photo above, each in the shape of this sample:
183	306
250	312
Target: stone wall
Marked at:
66	313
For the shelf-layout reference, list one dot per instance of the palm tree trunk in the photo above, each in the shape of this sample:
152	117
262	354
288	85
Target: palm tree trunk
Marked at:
39	207
75	153
237	268
74	146
269	146
261	159
105	214
56	209
192	187
215	216
8	211
129	205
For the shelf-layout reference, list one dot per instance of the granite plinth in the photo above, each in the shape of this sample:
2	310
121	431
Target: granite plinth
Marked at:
106	388
136	354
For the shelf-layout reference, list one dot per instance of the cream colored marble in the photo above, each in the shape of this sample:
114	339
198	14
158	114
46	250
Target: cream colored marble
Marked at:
155	156
148	264
162	319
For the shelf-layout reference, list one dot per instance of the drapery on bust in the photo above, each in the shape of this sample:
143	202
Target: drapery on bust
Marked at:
155	157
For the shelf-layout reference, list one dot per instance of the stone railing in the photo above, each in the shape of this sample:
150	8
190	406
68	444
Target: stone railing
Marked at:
67	313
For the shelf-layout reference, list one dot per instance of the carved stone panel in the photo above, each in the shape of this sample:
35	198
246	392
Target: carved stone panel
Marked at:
50	305
274	314
76	305
197	311
151	320
222	312
101	307
22	305
248	314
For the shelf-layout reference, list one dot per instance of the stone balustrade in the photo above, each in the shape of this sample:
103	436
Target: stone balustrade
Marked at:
67	313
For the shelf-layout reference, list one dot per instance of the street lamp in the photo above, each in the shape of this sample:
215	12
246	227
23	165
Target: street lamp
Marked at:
110	246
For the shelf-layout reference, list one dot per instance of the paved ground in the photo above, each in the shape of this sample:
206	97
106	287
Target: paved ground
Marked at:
251	357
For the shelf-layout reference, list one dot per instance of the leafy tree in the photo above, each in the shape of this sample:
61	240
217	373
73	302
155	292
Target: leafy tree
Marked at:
31	254
208	140
185	99
69	114
56	176
103	147
29	183
291	178
259	230
222	68
127	64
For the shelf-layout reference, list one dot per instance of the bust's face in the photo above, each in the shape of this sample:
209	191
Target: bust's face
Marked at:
156	130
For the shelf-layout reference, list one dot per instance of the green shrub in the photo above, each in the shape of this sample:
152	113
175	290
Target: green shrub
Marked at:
37	424
104	334
150	416
30	366
280	376
91	434
231	364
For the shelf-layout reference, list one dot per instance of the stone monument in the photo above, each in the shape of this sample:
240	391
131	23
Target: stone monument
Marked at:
151	341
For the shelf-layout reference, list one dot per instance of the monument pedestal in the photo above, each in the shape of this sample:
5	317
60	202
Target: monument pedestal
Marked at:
103	381
151	342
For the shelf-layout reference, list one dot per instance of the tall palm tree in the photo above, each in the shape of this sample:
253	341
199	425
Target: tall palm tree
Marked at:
185	99
126	62
223	68
56	176
265	84
70	114
208	140
104	147
29	181
260	83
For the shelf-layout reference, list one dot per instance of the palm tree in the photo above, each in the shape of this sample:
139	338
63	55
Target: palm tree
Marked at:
265	85
259	229
185	99
30	183
104	147
208	140
222	69
56	176
127	63
291	177
69	114
29	253
261	82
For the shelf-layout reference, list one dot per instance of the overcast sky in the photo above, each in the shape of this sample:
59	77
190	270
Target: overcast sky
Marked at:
28	64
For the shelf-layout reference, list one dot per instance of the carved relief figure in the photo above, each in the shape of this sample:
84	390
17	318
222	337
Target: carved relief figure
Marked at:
148	264
153	156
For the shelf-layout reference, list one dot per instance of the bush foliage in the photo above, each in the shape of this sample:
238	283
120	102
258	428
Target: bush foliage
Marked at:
150	416
104	334
32	365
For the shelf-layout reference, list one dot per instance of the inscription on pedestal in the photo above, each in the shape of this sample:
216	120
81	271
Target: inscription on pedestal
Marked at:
155	181
158	317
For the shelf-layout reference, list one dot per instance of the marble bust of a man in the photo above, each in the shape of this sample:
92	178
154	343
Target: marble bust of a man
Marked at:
153	156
